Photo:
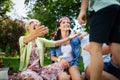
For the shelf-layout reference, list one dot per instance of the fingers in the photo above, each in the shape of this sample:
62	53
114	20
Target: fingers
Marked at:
65	64
82	18
41	30
44	30
74	35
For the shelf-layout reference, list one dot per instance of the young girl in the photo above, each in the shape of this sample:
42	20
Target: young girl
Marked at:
68	53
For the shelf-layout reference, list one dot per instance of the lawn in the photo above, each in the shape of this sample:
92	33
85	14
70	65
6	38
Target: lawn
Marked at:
13	62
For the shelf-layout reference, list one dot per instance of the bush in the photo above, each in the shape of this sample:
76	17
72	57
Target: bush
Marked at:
9	35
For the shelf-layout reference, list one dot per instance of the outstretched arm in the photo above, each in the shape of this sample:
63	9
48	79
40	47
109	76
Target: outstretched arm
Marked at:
39	31
59	42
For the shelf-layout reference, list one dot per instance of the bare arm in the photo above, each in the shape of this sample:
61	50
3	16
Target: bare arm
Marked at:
39	31
59	42
83	34
53	58
82	14
84	5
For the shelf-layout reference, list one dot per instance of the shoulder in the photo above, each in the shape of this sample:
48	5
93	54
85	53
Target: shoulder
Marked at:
21	38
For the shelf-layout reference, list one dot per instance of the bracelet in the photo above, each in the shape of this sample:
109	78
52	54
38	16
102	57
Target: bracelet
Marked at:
59	58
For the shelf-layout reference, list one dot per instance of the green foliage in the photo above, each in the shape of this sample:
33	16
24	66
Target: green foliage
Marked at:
14	62
10	32
81	66
11	62
7	50
4	6
48	11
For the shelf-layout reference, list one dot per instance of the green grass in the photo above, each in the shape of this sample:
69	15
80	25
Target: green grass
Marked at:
81	67
13	62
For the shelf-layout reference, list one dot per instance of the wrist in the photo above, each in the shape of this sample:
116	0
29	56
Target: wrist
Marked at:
33	34
68	38
59	58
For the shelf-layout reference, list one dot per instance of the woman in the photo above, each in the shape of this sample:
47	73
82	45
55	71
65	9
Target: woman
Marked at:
32	48
68	53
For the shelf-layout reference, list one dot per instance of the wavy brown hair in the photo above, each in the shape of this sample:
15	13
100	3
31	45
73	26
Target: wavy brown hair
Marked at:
57	34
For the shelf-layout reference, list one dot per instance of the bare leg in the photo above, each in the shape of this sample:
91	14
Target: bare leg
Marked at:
87	72
63	76
115	50
107	76
104	76
75	73
96	60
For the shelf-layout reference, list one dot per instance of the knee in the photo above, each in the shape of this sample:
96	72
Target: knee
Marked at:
95	47
75	73
63	76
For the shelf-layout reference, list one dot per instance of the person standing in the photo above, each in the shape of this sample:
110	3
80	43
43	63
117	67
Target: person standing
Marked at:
104	28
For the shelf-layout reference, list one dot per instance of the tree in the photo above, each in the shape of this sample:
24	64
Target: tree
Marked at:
4	6
10	30
9	35
48	11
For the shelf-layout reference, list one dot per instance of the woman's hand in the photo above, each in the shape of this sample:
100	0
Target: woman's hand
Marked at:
73	35
87	48
83	34
40	30
65	64
35	31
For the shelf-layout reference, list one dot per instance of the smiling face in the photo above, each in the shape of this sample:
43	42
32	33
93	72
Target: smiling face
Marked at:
64	25
63	29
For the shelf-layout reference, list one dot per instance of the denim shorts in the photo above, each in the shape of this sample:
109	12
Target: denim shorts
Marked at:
112	69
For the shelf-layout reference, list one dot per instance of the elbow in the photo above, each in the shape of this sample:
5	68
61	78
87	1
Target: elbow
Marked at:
57	43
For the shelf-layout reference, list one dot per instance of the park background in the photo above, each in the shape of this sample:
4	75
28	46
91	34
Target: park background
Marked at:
12	26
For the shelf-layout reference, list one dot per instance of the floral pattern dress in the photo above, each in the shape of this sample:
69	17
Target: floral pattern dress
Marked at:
37	72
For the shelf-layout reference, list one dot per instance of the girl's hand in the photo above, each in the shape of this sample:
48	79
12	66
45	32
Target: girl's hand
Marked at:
73	35
65	64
